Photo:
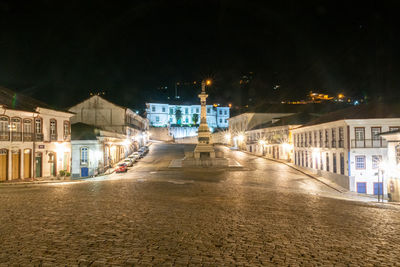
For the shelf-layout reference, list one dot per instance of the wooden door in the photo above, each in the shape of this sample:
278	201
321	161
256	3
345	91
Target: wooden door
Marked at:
27	163
53	162
3	164
16	165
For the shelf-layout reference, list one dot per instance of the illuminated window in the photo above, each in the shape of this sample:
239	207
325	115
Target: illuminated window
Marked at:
38	126
163	109
84	155
66	129
53	129
153	108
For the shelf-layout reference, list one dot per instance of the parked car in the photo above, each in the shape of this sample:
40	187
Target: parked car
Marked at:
122	167
129	162
136	155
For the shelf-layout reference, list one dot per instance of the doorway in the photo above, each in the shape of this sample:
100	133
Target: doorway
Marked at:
53	163
3	164
16	164
27	163
38	164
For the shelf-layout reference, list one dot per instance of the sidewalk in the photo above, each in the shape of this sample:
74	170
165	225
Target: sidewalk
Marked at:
48	180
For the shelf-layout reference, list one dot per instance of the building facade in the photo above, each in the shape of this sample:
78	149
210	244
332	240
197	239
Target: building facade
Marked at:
34	139
347	152
105	133
164	115
390	170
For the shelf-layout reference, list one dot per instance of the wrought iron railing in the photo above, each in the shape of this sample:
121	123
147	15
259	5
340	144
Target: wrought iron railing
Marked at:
368	143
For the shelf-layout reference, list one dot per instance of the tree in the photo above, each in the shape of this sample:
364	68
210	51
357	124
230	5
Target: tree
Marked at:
195	118
178	116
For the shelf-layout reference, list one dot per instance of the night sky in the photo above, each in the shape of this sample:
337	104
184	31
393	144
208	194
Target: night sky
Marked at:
60	51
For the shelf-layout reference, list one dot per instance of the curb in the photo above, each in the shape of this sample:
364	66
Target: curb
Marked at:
301	171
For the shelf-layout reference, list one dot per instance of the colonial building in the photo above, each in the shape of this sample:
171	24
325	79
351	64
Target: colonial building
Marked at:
274	139
103	134
346	147
239	124
163	115
34	138
390	170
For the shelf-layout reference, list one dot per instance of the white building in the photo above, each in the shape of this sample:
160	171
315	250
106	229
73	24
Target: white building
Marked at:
239	124
390	170
164	115
345	146
105	134
34	138
274	139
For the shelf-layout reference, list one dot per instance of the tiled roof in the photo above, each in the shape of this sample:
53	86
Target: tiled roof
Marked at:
14	100
295	119
377	110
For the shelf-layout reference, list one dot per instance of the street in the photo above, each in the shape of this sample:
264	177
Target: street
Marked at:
263	214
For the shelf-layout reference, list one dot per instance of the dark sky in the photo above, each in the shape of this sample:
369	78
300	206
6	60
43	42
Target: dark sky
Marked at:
59	51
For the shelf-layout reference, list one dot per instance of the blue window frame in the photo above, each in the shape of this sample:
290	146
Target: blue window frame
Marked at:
378	188
362	188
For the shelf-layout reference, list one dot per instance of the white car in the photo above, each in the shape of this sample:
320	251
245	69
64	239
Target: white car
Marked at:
128	162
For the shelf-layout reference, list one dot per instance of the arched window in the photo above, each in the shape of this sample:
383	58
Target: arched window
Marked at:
27	130
66	129
4	128
16	132
84	155
53	130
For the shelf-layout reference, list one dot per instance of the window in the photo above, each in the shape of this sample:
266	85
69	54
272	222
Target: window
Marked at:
397	154
225	112
376	160
320	138
208	110
53	129
171	120
375	131
315	139
306	156
394	128
341	137
163	109
362	187
171	111
305	139
333	137
309	139
197	110
153	108
220	120
226	121
220	112
157	119
66	129
360	162
186	120
360	136
326	138
4	130
378	188
342	163
334	163
186	111
327	162
321	163
84	155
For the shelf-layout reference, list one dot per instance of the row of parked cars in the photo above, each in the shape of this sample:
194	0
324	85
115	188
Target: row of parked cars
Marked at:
128	162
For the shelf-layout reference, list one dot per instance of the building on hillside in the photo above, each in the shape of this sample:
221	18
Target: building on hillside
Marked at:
95	150
239	124
34	138
164	115
346	147
107	116
274	139
390	170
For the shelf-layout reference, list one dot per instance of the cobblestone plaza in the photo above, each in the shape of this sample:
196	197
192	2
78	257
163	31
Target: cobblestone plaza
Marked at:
263	214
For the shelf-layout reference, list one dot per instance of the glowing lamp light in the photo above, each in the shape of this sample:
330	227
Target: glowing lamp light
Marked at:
227	136
208	82
240	137
261	142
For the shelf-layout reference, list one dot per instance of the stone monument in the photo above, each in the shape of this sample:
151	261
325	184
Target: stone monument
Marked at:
204	152
204	147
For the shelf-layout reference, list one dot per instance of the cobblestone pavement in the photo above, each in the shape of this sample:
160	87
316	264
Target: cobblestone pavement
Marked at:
266	214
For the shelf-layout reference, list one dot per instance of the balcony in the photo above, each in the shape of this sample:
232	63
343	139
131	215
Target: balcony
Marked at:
28	137
16	136
4	136
53	137
38	137
368	143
